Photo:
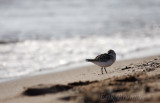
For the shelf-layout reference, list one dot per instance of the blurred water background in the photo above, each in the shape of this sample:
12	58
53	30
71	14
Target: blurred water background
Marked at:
40	35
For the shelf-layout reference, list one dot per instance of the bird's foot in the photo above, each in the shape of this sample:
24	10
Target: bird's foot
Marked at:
100	74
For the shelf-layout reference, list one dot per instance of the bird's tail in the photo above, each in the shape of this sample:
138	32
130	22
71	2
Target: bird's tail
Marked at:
89	60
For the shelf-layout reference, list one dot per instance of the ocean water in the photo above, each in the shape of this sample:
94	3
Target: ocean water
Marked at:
46	35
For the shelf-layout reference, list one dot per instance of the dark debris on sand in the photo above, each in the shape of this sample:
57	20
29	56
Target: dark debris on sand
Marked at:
136	87
122	90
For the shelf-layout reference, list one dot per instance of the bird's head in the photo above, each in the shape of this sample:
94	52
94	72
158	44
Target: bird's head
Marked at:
111	52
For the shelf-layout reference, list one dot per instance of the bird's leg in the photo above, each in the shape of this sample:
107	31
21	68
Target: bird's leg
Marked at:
102	70
105	70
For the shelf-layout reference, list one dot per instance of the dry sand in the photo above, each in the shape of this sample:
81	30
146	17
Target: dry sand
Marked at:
136	80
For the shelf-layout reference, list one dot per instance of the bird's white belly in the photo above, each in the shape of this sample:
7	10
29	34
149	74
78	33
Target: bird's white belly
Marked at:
104	64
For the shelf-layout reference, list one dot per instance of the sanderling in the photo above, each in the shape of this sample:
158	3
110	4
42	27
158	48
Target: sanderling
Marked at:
104	60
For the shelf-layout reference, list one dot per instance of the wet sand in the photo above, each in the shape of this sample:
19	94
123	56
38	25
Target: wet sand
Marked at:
135	80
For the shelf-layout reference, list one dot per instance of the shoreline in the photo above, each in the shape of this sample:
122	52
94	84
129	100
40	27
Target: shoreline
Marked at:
12	91
138	55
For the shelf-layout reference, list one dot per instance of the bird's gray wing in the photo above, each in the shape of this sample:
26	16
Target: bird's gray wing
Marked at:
103	57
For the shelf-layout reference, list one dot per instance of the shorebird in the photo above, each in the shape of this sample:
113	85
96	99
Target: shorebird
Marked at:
104	60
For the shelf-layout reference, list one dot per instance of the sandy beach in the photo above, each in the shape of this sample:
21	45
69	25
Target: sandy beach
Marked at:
126	81
44	45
